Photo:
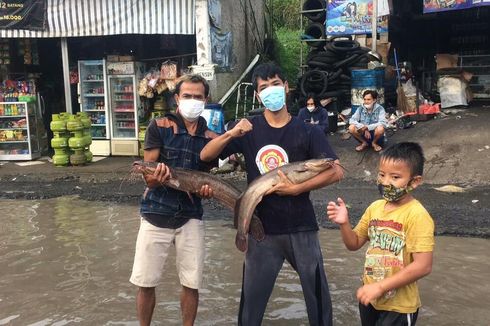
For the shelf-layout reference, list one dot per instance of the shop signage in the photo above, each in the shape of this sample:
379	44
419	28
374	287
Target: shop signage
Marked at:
206	71
120	68
23	14
354	17
445	5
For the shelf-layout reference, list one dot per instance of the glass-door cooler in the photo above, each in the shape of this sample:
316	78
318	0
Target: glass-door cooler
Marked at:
93	101
124	115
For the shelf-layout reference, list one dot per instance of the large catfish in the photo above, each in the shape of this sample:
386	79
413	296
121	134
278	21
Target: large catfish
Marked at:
191	181
297	172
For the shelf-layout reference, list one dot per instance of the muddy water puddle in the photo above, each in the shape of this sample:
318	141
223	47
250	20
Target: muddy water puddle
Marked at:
66	261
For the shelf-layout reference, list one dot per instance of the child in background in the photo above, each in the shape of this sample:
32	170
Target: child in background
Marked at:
401	240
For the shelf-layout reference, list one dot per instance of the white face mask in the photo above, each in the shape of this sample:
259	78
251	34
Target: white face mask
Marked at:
191	109
311	108
369	106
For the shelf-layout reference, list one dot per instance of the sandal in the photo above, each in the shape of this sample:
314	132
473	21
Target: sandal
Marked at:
361	147
376	147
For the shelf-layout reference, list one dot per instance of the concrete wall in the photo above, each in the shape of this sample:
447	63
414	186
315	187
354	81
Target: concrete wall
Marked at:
241	23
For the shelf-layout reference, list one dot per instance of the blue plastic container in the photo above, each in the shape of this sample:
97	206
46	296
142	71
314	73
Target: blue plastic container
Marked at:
213	113
364	79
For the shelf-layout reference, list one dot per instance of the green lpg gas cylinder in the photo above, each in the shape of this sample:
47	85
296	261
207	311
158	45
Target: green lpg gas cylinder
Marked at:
77	141
57	123
60	157
59	141
87	136
84	119
78	158
73	123
141	134
88	156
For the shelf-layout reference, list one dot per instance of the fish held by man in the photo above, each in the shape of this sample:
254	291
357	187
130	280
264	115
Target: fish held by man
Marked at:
296	172
191	181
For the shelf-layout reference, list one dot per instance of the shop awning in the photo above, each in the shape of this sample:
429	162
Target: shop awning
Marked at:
75	18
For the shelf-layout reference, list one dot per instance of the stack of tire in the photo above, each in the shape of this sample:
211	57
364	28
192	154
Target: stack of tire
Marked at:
330	60
330	66
59	142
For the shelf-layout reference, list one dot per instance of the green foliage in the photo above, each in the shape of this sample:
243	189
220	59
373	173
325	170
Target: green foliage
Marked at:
285	13
286	20
288	48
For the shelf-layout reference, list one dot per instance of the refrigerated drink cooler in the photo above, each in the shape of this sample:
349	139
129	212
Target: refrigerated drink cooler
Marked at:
124	106
93	101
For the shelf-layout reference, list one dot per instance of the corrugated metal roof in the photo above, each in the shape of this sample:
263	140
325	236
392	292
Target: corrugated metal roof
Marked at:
75	18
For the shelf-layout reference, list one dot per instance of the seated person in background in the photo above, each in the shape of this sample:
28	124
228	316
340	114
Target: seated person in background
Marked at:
314	113
368	123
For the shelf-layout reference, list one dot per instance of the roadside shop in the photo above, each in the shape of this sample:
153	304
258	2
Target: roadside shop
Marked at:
435	51
96	56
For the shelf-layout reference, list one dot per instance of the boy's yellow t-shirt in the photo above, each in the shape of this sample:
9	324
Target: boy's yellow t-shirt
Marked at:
393	237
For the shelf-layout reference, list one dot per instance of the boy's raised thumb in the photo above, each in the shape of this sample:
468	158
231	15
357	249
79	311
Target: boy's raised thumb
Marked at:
340	201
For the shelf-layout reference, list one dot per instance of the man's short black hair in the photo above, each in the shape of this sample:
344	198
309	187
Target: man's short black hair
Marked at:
408	152
192	78
265	71
371	92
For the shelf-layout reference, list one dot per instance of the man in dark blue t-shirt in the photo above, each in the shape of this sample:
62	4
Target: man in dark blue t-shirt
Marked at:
267	142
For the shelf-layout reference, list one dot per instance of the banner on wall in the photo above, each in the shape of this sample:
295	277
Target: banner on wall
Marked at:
222	45
354	17
23	14
431	6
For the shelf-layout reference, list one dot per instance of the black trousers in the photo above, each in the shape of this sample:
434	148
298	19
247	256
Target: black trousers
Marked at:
263	262
373	317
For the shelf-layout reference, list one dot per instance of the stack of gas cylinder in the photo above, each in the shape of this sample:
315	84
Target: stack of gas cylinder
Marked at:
71	139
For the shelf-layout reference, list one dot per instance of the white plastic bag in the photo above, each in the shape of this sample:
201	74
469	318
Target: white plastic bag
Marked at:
452	91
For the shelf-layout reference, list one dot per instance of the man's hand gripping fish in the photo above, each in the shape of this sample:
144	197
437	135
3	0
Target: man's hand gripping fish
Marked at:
191	181
296	172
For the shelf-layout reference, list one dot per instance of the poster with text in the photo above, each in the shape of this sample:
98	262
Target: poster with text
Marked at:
352	17
23	14
431	6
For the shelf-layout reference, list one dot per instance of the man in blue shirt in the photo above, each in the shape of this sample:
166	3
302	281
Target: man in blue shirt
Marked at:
172	218
368	123
268	141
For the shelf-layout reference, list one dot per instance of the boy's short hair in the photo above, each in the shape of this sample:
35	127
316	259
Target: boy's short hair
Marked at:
408	152
265	71
371	92
192	78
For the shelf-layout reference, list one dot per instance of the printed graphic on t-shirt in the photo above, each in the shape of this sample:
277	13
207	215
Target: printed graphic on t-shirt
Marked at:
384	256
270	157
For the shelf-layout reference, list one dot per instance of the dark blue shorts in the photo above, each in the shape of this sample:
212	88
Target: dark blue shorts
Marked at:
381	140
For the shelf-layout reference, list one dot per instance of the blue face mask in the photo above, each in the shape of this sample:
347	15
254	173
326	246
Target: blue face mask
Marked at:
273	97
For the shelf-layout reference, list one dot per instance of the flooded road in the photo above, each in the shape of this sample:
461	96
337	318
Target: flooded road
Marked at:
65	261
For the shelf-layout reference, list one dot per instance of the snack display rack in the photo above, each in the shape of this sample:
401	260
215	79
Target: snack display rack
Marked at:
19	137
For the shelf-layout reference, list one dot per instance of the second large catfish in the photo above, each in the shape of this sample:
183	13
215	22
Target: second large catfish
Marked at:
297	172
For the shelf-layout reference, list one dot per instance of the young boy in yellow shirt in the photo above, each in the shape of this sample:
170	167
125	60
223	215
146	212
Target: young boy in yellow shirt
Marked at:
400	233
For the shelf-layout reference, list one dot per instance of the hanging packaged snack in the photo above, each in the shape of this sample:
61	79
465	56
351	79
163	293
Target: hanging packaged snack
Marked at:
170	85
168	71
161	86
